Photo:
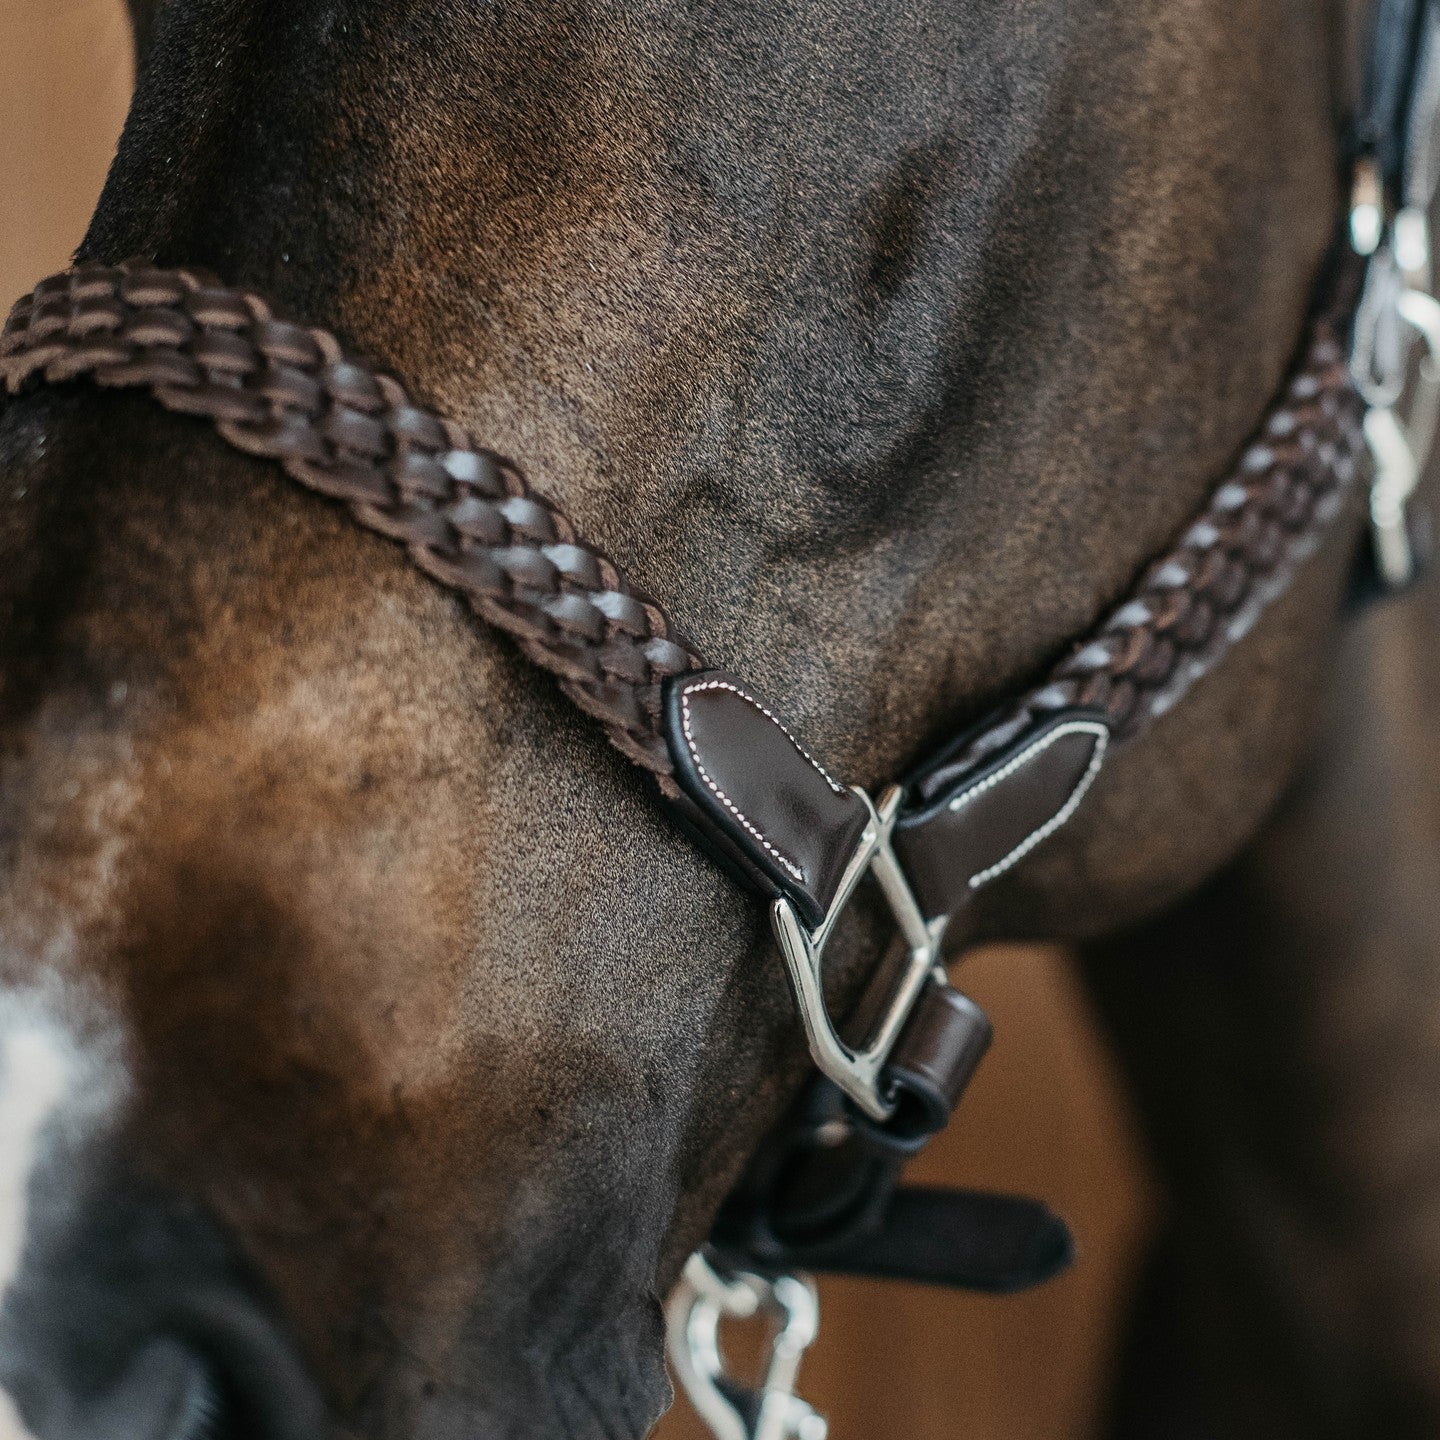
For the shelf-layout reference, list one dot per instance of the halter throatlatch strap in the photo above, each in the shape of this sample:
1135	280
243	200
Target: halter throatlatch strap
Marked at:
731	770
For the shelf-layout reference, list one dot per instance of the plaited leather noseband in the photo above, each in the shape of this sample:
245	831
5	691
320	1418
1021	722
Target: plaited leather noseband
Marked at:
726	764
724	761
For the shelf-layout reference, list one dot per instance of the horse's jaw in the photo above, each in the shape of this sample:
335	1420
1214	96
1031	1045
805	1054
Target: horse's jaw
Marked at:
250	866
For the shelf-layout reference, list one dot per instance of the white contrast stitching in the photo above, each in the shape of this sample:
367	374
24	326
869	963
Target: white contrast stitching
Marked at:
1042	832
724	799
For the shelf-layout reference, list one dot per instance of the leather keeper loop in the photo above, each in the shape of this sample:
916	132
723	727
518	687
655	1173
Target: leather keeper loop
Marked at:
933	1061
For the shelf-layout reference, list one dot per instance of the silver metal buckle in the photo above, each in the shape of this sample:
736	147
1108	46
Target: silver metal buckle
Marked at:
1396	311
701	1299
858	1072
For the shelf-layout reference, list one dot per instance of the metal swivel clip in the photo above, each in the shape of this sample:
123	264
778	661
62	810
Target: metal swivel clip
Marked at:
708	1293
1396	310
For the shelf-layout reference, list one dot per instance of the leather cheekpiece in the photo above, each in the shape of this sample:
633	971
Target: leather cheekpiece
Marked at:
961	831
757	799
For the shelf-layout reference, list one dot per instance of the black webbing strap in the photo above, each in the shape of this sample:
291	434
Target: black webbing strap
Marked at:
823	1194
1383	126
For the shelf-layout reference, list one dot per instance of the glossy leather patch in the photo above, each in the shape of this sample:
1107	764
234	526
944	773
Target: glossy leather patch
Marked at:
988	821
759	791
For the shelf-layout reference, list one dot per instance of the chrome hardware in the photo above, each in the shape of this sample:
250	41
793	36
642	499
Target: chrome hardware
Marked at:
1396	476
702	1298
858	1072
1367	208
1411	232
1396	311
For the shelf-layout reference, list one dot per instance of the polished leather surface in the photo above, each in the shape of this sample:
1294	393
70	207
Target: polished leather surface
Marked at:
724	762
811	1200
754	789
939	1050
985	821
996	1244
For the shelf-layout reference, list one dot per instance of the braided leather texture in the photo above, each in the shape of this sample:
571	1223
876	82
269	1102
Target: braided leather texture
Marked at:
466	516
471	522
1199	598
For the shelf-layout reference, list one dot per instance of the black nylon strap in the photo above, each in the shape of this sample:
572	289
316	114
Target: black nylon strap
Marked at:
998	1244
823	1194
1384	123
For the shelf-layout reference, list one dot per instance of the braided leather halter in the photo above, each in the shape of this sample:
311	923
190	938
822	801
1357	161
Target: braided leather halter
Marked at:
470	520
726	764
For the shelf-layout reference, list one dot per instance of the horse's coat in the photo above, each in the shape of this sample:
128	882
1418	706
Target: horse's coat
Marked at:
426	1011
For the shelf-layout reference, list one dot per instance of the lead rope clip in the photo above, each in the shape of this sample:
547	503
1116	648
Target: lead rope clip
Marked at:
707	1293
1397	310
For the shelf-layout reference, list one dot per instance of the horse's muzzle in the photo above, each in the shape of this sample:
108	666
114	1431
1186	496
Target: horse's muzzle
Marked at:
144	1327
165	1391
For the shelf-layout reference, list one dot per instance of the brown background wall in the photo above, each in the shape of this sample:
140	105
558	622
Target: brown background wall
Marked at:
1043	1116
64	85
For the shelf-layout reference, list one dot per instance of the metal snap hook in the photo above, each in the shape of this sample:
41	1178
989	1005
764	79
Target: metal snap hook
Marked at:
703	1297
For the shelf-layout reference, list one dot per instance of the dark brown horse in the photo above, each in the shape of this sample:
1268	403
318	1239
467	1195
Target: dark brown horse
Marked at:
372	1053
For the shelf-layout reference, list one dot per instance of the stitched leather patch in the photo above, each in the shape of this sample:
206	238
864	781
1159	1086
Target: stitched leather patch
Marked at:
756	790
990	819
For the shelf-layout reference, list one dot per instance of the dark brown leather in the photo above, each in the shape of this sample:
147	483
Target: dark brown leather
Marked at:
1193	603
732	772
938	1051
471	522
467	517
977	823
751	780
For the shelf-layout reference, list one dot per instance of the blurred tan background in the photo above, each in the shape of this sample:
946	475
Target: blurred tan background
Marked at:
1044	1116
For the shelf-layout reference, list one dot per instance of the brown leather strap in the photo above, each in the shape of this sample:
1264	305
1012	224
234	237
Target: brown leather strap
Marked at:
467	517
991	816
734	773
760	800
985	802
988	799
1194	602
732	768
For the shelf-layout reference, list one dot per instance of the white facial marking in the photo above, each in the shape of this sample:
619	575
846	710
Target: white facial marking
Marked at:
60	1078
37	1071
12	1427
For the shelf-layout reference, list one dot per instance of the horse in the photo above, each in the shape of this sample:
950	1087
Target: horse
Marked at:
374	1053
